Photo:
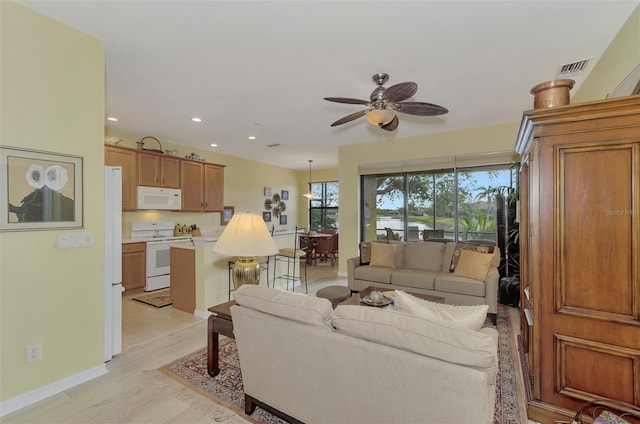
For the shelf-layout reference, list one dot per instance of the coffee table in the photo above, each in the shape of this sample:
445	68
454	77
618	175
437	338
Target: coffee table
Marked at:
355	299
219	323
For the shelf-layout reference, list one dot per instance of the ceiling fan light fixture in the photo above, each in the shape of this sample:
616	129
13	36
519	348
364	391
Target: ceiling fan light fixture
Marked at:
380	117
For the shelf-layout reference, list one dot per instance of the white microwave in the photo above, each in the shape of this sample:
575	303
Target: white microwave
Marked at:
158	198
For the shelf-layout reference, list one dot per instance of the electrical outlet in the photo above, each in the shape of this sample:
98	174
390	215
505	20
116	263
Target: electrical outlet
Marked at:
34	352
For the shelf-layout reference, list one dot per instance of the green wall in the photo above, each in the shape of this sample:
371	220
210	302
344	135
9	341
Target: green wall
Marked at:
51	99
622	55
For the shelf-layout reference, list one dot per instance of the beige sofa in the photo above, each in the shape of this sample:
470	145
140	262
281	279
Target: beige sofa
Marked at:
308	363
423	267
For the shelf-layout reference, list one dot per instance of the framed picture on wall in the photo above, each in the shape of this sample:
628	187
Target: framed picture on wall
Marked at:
266	216
285	194
283	219
39	190
227	213
267	191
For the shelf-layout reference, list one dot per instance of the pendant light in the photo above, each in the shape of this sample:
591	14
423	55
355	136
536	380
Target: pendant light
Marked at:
310	195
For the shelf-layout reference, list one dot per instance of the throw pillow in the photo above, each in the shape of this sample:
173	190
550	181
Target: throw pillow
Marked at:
383	255
473	265
365	252
471	317
468	246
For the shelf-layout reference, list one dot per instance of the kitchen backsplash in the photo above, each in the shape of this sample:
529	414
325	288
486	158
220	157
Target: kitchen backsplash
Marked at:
209	223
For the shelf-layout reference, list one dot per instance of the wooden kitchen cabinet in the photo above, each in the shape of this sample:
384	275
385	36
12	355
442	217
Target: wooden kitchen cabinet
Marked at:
134	266
156	170
183	279
126	158
213	188
580	250
202	187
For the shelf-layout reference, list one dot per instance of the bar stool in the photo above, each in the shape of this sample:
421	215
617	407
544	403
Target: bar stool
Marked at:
264	265
293	258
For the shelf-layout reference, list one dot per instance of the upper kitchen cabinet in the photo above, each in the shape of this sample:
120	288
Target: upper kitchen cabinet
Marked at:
202	187
155	170
213	188
126	158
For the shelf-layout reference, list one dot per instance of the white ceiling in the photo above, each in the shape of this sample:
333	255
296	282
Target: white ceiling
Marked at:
262	68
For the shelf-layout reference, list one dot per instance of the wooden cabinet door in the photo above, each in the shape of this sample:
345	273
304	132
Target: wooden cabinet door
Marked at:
134	266
115	156
192	178
589	276
183	279
213	188
149	170
170	172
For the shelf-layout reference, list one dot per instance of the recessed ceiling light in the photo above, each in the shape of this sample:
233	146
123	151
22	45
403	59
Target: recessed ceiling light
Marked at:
196	119
112	119
213	145
251	137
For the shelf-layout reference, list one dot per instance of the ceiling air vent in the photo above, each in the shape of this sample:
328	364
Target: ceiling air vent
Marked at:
273	145
573	69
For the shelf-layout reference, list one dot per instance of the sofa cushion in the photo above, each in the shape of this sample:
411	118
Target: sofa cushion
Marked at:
436	339
297	307
424	255
414	278
472	317
375	274
451	283
383	255
481	248
473	265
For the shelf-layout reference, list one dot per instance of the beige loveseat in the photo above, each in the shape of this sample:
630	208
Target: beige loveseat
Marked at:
424	267
360	364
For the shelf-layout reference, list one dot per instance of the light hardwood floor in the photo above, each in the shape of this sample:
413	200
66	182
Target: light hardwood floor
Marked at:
134	391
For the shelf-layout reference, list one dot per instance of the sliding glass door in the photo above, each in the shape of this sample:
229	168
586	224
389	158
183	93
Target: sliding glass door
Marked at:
454	204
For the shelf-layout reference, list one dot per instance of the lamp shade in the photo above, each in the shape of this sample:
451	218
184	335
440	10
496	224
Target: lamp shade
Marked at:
246	235
380	116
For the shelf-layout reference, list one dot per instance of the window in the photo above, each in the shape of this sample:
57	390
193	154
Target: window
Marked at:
458	202
323	210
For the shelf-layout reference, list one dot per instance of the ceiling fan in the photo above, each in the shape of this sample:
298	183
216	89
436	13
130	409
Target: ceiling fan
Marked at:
385	102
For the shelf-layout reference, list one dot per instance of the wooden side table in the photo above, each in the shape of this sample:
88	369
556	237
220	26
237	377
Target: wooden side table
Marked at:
219	323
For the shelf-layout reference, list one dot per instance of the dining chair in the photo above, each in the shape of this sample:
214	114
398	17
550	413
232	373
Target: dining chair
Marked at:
292	259
325	250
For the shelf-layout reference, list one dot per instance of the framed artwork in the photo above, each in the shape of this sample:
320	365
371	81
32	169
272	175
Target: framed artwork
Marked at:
39	190
267	191
285	194
283	219
266	215
227	213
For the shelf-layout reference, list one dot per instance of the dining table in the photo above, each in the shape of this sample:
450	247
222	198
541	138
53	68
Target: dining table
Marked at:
309	241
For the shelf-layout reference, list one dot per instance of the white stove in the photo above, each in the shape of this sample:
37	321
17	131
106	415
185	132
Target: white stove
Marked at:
159	237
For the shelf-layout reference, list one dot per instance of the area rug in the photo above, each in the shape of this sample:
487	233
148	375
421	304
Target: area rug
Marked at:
226	388
159	299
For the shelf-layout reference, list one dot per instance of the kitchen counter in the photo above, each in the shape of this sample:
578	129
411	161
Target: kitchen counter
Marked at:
210	278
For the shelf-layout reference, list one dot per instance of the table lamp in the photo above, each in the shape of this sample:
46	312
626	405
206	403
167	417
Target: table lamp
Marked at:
246	236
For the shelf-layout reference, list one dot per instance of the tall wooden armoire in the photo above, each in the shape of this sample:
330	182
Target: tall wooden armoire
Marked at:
580	255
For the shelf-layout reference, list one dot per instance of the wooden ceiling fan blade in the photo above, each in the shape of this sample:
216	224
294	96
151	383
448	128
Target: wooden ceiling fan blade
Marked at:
348	100
350	118
391	125
399	92
420	108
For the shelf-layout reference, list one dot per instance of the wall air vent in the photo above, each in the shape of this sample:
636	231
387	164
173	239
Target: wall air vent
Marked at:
573	69
273	145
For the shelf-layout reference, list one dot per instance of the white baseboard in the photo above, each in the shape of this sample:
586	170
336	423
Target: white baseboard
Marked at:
18	402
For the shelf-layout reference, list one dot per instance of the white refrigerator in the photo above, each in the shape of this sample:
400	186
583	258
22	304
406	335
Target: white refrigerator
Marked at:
112	261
